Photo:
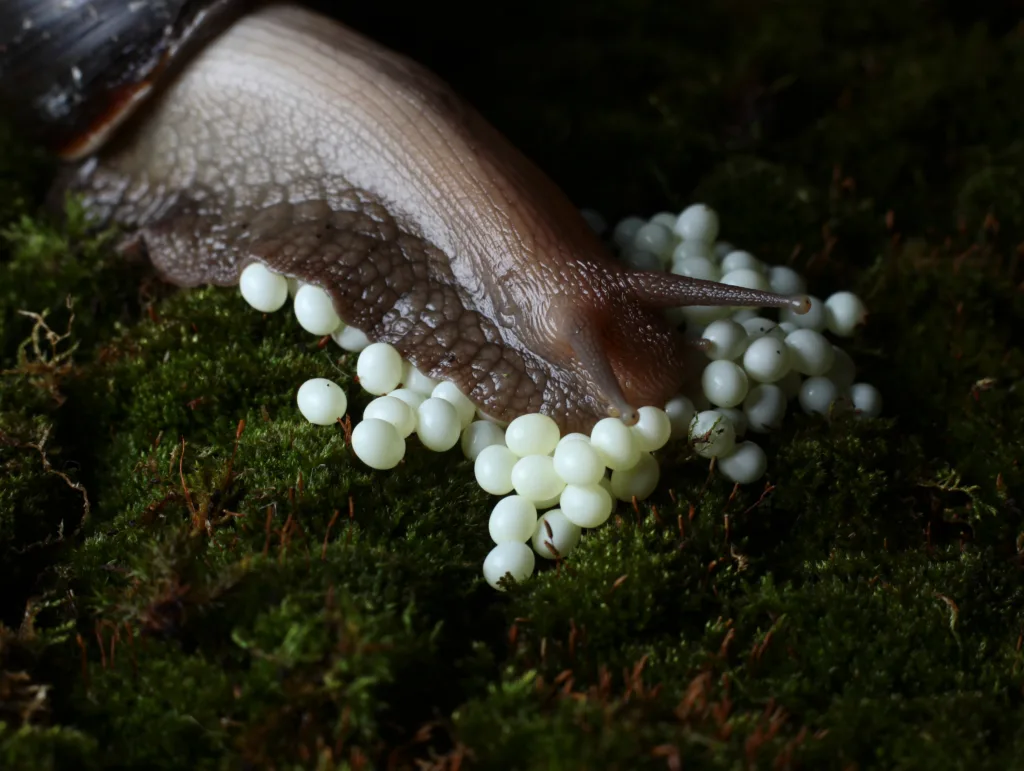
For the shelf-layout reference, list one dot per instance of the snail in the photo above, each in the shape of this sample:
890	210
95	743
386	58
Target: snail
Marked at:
219	133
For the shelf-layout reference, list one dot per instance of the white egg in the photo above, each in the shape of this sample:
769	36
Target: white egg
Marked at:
534	478
577	462
379	368
786	281
263	289
725	383
514	559
639	481
378	444
555	530
698	222
393	411
350	339
867	400
745	277
321	401
680	411
767	360
314	310
844	312
614	443
741	260
513	519
478	435
746	464
463	406
532	434
652	429
413	399
586	505
765	408
712	434
727	339
809	352
416	381
437	425
493	469
817	395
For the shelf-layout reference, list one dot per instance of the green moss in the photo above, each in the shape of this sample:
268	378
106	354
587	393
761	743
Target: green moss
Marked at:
195	579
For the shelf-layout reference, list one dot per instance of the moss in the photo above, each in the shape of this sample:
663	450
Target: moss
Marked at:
194	579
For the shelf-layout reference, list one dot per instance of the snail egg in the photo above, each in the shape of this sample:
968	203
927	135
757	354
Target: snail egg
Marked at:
513	519
437	424
321	402
350	339
652	430
586	505
727	339
314	310
555	530
416	381
698	222
737	417
767	360
654	237
533	434
817	395
867	400
786	281
765	407
463	406
844	312
696	267
577	462
741	260
493	469
263	289
394	411
725	383
759	326
680	411
478	435
413	399
747	278
639	481
614	443
809	352
712	434
378	444
746	464
379	368
625	231
515	559
534	478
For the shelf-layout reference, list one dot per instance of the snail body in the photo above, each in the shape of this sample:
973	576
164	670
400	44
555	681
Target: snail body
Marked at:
232	135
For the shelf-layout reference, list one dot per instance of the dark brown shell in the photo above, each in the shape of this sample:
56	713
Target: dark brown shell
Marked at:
72	70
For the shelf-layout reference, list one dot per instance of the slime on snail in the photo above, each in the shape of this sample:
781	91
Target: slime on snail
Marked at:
220	135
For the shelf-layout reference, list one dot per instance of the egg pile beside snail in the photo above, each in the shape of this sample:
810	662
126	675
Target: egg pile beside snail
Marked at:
552	486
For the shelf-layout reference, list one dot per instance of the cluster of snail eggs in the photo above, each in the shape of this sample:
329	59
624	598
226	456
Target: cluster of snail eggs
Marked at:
552	487
758	360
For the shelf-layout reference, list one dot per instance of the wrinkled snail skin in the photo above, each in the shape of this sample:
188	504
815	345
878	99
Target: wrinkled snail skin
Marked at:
291	140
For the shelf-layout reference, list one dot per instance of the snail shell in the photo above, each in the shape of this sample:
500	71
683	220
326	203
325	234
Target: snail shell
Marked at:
72	71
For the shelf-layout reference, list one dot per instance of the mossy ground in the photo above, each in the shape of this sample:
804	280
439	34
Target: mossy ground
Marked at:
194	578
